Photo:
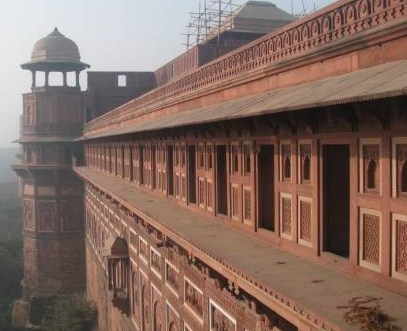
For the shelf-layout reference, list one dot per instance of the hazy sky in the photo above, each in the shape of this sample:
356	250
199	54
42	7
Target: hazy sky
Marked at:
126	35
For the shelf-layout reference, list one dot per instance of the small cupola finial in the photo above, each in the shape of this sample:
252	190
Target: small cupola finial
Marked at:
56	33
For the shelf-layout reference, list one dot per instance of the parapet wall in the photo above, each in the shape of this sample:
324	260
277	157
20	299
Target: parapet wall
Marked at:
343	27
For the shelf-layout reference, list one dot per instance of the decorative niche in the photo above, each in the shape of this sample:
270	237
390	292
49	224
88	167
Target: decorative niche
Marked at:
285	161
370	166
305	161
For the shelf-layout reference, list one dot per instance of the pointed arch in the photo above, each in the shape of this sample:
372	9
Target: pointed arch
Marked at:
144	309
247	163
371	174
235	162
173	326
287	167
157	323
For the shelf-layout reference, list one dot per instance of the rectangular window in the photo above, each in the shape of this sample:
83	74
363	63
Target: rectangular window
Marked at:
121	80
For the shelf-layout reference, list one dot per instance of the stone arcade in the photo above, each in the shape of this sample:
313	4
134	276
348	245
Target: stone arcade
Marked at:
246	186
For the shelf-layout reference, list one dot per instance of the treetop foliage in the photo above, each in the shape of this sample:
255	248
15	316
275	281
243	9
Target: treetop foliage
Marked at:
69	313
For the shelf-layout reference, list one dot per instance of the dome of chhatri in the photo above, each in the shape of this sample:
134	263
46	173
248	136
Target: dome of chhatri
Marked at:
55	51
55	48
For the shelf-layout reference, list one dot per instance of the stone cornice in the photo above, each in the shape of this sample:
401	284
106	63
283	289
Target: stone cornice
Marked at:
335	29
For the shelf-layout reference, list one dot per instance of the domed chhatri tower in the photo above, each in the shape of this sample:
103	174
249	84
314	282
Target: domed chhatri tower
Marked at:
52	195
55	53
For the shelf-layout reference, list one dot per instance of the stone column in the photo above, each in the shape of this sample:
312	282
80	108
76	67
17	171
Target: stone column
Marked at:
64	78
77	78
33	81
46	78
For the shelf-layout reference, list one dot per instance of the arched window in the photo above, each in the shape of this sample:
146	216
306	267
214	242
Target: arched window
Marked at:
287	167
156	319
247	161
371	174
306	170
134	292
173	327
144	309
235	163
404	177
209	163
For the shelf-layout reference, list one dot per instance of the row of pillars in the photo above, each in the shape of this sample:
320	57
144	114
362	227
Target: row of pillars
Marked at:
64	73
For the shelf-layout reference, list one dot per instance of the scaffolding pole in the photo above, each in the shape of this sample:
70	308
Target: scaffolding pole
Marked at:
211	18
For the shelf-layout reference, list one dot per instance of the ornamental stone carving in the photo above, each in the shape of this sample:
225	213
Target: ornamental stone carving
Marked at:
286	215
371	238
305	221
47	215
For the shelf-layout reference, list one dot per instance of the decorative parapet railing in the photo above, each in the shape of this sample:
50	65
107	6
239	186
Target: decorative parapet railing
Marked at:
342	19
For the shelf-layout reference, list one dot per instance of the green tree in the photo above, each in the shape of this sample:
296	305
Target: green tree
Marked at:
11	247
69	313
10	273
